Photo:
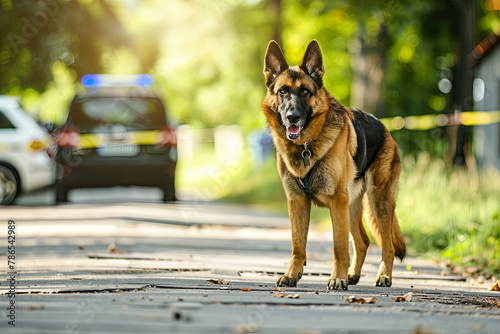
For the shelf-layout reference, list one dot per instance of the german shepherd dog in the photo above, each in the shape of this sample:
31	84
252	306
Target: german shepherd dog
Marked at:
335	157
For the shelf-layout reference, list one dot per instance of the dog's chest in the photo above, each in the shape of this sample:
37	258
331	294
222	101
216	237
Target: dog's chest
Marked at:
317	181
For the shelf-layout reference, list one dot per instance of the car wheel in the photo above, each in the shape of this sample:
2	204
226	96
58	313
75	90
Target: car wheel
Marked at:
169	192
61	194
9	186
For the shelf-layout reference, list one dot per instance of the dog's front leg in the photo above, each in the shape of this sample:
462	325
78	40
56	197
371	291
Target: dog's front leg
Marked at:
299	209
339	212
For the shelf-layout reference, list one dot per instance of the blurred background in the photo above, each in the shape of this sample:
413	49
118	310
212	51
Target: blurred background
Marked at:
429	69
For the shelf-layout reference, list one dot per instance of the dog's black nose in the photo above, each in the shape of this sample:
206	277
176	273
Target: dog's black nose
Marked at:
293	118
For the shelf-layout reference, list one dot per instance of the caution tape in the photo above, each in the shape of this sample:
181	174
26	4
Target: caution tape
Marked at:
427	122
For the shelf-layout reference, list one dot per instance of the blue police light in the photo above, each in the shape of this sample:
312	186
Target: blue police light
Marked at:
91	80
108	80
144	80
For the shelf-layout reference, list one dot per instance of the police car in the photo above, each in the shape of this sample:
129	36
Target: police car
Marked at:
25	164
118	134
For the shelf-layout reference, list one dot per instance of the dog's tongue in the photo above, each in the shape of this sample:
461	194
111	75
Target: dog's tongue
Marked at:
293	129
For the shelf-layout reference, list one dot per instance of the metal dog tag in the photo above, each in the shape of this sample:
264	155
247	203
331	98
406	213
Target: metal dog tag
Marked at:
306	155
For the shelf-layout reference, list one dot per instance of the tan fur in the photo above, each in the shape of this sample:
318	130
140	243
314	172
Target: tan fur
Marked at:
330	135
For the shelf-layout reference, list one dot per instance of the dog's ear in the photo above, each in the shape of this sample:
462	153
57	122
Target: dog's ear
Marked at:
274	62
312	63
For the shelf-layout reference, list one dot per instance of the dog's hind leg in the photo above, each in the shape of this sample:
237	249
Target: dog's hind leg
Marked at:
359	238
299	209
382	183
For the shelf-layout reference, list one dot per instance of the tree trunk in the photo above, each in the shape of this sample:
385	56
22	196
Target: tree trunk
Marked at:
460	148
275	6
368	62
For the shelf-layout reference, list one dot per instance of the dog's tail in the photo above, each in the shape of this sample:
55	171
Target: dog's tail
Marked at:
397	237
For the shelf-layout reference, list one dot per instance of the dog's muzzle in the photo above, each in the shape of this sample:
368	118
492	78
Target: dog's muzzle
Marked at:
293	128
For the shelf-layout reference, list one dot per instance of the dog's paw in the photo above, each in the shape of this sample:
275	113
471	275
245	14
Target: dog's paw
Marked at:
286	281
353	279
336	284
384	281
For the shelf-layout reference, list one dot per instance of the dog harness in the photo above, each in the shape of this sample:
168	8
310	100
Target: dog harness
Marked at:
306	181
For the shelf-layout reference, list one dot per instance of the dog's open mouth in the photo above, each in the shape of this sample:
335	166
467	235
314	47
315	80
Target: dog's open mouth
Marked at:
293	132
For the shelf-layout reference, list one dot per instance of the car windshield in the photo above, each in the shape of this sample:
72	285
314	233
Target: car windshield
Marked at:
99	114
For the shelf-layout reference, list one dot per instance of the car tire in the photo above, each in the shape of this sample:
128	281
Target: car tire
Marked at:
61	194
9	186
169	192
169	196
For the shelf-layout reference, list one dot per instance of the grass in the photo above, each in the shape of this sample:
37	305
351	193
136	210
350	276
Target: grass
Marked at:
447	214
452	214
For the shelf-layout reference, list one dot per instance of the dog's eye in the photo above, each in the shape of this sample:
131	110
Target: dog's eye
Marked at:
305	92
282	91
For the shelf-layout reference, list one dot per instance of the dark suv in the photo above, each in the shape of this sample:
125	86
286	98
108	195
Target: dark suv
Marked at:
116	140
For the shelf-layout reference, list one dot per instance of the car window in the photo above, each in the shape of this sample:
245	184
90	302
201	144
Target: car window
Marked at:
5	123
101	113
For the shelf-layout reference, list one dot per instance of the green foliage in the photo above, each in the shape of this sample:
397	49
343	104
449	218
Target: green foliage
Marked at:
207	55
453	213
36	36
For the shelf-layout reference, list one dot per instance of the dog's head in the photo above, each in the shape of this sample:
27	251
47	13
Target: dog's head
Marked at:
293	91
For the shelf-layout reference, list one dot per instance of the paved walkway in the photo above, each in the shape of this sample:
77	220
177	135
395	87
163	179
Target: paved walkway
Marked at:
156	277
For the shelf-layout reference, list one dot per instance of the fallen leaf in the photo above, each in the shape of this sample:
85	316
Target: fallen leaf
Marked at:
495	287
405	298
32	308
351	299
285	295
246	290
417	291
80	247
217	281
361	300
113	249
421	330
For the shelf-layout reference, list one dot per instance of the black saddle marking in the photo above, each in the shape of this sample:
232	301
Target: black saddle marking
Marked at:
371	137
